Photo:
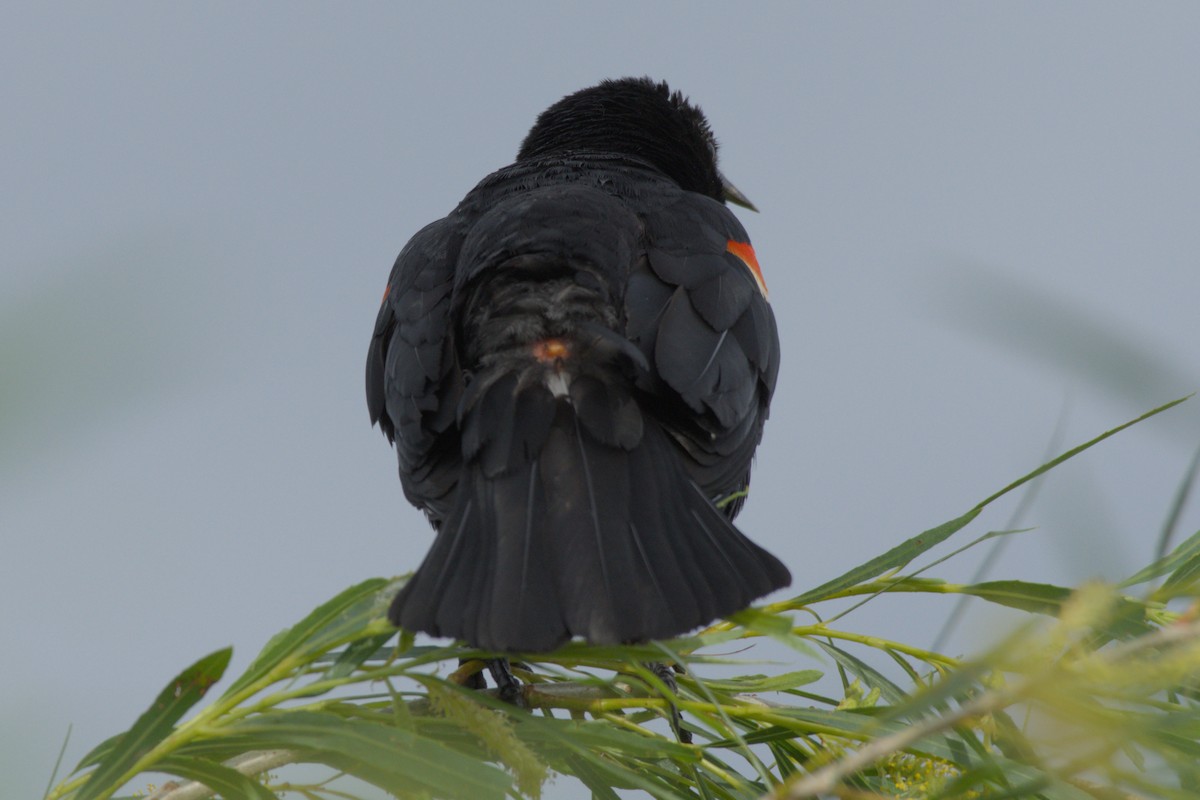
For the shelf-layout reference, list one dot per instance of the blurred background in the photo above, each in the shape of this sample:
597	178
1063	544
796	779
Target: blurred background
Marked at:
980	227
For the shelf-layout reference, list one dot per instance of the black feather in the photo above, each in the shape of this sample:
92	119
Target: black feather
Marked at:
589	540
706	367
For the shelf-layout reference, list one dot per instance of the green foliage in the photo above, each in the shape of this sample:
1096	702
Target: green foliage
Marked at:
1097	696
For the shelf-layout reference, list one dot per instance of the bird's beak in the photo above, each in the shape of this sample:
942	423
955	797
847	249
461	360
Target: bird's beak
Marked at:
734	195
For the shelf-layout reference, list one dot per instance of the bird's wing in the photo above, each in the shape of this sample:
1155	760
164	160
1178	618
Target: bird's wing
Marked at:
413	379
697	308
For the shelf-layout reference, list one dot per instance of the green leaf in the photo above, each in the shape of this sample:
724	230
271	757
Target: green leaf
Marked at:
99	752
1128	617
596	780
903	553
603	737
760	621
356	653
765	683
154	725
1187	553
1074	451
617	774
221	779
776	625
1038	598
351	609
395	760
899	556
1183	578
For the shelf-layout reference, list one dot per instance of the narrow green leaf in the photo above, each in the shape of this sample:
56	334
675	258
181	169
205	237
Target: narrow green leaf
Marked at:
357	652
1186	553
899	556
770	734
366	614
1186	485
218	748
1128	618
293	640
1074	451
758	620
766	683
395	760
777	626
788	757
903	553
617	774
99	752
155	724
58	761
595	780
1185	574
603	737
221	779
905	582
1038	598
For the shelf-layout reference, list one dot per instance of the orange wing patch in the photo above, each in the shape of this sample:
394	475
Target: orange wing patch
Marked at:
745	253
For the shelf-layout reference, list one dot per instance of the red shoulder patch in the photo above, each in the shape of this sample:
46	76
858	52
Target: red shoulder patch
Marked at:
745	253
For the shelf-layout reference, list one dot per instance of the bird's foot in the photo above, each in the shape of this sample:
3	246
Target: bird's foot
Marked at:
508	688
666	674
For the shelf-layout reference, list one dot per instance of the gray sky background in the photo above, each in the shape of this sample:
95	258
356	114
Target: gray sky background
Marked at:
974	216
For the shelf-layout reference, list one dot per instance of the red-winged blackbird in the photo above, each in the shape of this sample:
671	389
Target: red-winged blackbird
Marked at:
575	366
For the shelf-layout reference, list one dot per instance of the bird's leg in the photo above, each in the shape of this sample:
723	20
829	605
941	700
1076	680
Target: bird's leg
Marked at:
508	688
666	674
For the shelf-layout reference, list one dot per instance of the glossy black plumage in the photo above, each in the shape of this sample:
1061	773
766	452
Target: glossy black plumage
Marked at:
574	365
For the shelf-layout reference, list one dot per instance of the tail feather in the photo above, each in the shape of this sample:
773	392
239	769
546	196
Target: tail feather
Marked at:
586	539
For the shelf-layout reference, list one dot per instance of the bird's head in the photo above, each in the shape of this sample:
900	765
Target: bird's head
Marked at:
640	118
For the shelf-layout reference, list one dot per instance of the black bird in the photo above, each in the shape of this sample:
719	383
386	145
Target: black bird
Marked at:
575	366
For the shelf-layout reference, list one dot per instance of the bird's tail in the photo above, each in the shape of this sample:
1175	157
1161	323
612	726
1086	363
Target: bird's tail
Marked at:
598	532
